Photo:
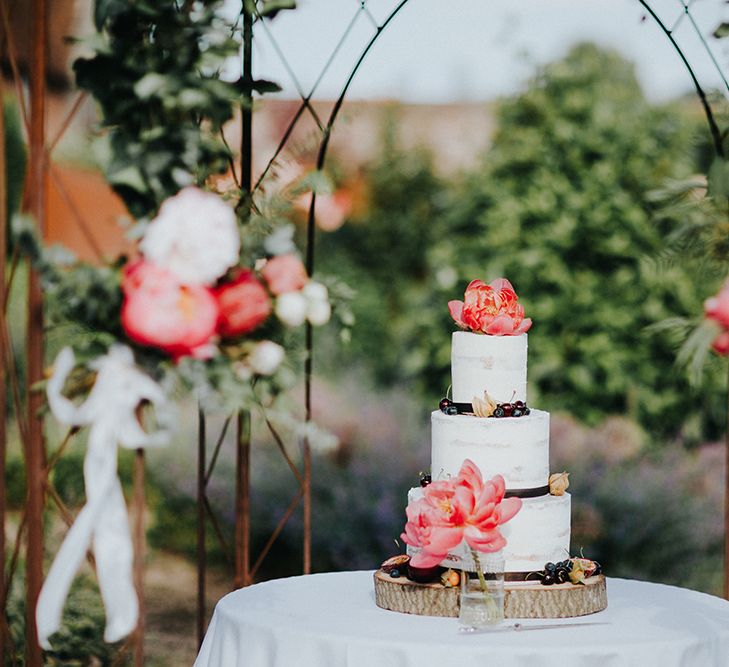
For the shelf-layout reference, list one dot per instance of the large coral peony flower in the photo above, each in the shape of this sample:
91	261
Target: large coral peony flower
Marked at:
492	309
462	508
160	312
244	305
194	236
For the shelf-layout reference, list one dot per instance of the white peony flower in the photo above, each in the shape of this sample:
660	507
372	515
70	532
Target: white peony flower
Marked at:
318	312
291	308
314	291
194	236
318	309
266	357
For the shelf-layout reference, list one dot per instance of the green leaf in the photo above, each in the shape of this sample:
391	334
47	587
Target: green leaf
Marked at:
719	178
106	10
695	350
721	31
130	177
151	84
316	181
189	98
272	7
263	86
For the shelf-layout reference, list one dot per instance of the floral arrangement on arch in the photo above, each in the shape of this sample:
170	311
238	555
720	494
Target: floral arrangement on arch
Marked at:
189	295
210	305
201	309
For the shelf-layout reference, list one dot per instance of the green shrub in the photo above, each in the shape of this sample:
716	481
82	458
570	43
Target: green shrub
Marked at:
79	642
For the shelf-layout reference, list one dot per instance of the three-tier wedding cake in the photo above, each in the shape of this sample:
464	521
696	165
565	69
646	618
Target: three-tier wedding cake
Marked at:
516	447
485	426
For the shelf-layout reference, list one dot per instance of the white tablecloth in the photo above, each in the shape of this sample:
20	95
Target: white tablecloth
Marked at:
330	620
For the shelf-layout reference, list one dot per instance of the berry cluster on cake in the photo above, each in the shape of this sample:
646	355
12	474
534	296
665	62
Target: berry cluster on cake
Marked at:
486	425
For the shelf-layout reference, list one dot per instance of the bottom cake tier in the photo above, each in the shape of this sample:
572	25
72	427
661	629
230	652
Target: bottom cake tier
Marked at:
521	599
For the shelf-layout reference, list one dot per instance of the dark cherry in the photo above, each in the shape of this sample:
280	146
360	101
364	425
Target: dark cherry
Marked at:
548	579
561	576
516	412
520	405
499	412
508	408
425	480
550	567
443	405
423	575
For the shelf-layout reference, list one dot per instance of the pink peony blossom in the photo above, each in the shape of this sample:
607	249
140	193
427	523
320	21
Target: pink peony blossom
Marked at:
721	344
332	210
160	312
244	305
461	508
491	309
717	307
284	273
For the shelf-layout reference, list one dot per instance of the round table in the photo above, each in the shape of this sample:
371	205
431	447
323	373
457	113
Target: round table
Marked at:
330	620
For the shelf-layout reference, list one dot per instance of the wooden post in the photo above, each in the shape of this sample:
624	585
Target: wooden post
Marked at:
201	555
243	499
726	503
3	365
306	486
243	431
139	553
34	446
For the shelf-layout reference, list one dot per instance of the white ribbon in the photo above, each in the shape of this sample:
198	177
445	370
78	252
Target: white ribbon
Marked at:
110	411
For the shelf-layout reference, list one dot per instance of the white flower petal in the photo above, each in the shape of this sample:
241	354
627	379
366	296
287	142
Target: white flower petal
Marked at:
291	308
266	357
194	236
315	291
318	312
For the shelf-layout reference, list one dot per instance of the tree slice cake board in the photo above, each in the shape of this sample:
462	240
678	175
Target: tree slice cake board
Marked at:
521	599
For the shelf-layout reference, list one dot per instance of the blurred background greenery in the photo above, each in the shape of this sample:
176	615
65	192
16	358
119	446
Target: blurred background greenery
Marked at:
561	204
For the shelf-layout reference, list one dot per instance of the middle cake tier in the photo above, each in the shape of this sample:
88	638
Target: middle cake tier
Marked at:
515	447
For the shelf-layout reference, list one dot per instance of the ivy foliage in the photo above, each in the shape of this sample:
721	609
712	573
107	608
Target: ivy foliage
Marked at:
155	75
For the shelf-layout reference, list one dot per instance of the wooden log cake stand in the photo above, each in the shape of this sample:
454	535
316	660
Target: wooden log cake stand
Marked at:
521	599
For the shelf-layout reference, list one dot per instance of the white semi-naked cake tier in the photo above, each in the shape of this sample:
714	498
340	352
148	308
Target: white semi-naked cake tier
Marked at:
497	364
538	534
517	448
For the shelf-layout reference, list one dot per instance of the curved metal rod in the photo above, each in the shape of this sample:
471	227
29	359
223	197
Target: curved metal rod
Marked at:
713	127
321	157
323	147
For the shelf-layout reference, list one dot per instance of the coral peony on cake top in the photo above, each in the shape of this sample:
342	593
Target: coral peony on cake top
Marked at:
492	309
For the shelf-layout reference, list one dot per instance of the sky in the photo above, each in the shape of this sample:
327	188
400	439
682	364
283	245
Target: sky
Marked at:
473	50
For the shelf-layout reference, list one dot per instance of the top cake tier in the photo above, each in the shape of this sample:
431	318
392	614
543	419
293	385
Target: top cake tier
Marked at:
496	364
